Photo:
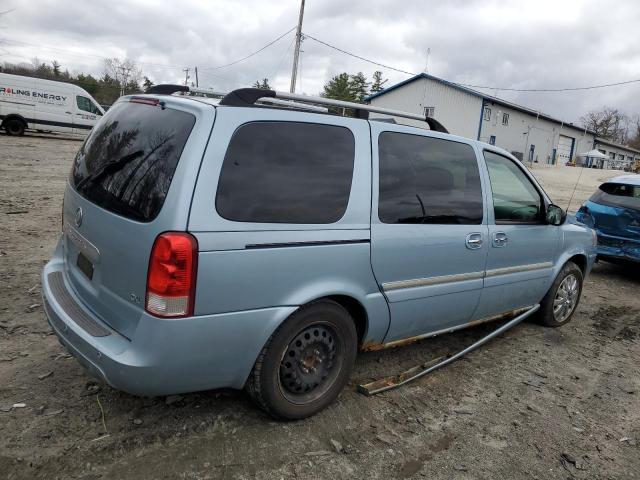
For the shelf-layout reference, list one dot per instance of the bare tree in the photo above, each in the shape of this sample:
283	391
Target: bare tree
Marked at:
634	132
608	123
125	72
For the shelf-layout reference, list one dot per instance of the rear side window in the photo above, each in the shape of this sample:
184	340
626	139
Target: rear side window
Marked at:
428	180
286	172
127	163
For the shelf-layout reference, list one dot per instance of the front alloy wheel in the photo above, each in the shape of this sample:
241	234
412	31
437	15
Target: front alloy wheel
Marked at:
566	298
559	304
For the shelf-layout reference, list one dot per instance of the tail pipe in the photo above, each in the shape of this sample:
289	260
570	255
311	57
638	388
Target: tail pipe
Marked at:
396	381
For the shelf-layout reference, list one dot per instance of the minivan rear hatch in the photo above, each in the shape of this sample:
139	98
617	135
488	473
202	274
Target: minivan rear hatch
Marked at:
131	180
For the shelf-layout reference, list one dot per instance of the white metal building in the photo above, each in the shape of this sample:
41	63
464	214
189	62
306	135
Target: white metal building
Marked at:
620	157
528	134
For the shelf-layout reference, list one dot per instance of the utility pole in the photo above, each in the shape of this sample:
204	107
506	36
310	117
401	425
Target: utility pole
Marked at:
196	69
186	76
124	77
426	65
296	52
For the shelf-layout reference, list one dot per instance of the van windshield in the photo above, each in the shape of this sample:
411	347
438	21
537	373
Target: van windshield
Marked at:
127	163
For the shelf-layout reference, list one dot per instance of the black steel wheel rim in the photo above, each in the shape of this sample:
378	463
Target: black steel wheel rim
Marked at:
310	364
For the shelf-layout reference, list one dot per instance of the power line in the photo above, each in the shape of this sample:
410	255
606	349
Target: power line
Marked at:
85	55
277	70
568	89
358	56
251	54
181	67
388	67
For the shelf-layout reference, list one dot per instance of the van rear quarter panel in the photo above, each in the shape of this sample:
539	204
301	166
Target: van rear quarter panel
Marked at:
240	268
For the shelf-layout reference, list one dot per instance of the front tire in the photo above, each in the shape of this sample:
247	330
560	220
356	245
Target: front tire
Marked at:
560	302
306	363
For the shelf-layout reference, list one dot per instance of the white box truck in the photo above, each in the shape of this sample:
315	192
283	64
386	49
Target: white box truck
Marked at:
37	104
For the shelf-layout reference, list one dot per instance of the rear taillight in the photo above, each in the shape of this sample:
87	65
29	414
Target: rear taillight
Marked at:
171	281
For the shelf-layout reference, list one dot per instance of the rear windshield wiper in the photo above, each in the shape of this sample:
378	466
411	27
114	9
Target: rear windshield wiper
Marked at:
108	168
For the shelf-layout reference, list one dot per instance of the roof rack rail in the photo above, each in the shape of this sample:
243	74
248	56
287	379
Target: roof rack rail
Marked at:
265	100
247	97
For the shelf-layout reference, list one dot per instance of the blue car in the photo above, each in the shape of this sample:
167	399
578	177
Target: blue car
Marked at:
258	242
614	212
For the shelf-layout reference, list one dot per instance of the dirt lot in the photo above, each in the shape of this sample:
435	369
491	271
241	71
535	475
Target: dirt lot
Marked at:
535	403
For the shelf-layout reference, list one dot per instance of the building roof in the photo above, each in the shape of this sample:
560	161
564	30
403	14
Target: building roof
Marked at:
481	95
617	145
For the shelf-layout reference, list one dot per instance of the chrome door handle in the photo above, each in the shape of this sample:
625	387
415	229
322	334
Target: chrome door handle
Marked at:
500	239
474	241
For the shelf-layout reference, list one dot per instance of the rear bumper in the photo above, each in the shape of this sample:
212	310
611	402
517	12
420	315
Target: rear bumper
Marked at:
623	248
163	356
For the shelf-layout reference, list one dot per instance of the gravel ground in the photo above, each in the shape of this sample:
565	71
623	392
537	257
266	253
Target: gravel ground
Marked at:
534	403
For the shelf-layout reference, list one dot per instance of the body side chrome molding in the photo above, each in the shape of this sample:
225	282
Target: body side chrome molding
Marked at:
461	277
423	282
517	269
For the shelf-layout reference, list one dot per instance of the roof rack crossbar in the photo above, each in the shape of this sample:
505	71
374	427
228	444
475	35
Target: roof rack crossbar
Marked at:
245	97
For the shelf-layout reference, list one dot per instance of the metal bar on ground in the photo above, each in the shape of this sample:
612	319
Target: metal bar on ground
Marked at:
391	383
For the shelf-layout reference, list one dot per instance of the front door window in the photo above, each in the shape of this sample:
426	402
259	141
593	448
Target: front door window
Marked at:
515	198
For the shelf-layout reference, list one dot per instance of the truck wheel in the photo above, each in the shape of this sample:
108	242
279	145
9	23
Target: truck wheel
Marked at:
560	302
14	127
306	362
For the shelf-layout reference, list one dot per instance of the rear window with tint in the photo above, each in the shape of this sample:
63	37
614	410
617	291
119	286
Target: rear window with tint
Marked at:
621	190
618	195
286	172
127	163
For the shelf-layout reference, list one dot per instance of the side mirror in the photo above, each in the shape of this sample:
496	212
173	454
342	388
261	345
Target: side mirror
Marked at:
555	215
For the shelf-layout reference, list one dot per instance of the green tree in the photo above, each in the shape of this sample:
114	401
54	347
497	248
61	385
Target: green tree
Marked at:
264	84
56	68
378	82
358	87
339	88
146	83
109	90
88	82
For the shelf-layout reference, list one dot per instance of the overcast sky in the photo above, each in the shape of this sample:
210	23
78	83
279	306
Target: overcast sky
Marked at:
519	44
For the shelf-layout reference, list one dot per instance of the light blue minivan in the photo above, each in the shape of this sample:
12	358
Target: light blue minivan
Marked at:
245	244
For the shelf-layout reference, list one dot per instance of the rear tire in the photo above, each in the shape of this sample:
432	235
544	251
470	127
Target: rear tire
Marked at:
14	127
306	363
561	301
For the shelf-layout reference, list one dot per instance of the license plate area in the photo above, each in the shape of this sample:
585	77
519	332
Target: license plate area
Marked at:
85	266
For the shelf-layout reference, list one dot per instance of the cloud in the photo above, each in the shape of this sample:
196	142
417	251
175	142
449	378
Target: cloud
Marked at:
482	42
